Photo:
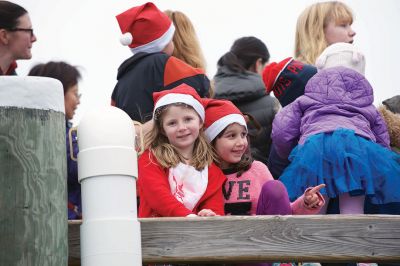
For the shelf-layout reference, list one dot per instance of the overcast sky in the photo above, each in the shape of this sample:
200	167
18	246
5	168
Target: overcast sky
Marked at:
85	33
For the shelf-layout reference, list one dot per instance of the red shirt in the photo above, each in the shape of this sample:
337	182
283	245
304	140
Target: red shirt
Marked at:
10	70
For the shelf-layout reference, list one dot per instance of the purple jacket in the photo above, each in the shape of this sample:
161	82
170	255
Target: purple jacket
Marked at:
334	98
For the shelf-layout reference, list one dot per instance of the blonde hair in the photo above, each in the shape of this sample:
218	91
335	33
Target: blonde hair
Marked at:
167	155
187	46
310	38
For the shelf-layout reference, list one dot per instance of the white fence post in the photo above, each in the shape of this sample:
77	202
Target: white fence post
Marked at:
107	168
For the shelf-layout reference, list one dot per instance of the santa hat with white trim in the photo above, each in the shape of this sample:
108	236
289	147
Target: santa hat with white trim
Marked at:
180	94
219	115
145	28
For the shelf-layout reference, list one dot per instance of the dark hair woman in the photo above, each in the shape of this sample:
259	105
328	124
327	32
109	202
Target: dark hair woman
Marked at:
69	76
16	36
238	79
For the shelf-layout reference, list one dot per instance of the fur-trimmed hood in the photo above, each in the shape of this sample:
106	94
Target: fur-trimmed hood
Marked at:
393	125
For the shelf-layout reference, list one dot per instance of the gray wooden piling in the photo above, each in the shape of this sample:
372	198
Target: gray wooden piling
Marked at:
33	205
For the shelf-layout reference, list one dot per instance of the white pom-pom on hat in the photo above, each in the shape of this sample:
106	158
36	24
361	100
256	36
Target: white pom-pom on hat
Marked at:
126	39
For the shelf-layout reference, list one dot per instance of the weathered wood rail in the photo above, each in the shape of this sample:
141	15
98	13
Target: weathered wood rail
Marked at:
321	238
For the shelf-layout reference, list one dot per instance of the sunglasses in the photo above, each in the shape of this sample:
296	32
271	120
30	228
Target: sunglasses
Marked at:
22	29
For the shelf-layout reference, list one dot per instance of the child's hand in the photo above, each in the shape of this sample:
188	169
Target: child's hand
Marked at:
311	197
206	212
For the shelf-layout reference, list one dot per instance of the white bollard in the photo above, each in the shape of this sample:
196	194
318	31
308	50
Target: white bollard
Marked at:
107	168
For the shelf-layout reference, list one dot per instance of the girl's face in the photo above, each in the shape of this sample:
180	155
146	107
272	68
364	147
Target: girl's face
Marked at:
21	39
71	101
181	125
341	32
231	146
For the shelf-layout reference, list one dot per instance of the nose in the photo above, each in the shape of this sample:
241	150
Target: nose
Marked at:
352	33
241	141
181	126
33	38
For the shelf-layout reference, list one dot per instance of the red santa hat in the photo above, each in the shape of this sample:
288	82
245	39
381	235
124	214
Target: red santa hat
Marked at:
145	28
271	72
219	115
180	94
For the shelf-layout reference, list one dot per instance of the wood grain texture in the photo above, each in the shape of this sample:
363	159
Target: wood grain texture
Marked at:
33	216
321	238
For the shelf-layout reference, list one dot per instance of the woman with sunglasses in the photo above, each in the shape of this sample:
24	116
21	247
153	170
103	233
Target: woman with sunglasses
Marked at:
16	36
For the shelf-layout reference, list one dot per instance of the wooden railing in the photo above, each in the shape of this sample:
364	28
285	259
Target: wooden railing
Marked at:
319	238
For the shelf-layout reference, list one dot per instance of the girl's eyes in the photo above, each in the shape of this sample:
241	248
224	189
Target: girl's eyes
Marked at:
234	135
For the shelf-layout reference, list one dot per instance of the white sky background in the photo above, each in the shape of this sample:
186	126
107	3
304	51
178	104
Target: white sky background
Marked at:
85	33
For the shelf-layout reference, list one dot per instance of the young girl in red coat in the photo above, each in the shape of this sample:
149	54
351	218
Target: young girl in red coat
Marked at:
177	176
250	188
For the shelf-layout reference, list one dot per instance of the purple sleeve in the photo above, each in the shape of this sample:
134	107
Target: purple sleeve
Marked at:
286	129
379	129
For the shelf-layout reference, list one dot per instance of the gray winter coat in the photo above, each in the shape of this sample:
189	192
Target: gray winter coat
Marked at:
248	93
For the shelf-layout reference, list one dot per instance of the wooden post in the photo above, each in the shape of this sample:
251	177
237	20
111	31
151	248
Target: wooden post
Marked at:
33	205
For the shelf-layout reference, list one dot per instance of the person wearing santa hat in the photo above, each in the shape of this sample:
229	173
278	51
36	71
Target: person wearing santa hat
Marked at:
250	188
287	80
177	167
148	33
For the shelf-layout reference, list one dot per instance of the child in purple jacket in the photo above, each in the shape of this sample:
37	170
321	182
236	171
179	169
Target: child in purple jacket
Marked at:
343	140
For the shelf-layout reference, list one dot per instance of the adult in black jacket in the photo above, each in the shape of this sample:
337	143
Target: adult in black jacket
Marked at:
238	79
148	32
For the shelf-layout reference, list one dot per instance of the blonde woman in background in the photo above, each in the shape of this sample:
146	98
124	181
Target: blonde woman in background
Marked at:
321	25
187	45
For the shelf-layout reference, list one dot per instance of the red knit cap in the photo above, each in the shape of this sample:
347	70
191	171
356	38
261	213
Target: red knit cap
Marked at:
180	94
145	28
271	73
287	79
219	115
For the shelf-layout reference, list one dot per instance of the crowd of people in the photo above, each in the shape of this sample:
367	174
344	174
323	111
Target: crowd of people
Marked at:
299	136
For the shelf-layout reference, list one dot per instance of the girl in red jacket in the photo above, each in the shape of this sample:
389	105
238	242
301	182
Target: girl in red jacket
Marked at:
176	173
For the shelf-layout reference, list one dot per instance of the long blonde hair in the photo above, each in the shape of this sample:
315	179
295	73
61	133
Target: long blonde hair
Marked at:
187	45
310	38
166	154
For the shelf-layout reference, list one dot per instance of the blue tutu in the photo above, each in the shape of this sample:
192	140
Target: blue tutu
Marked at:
346	163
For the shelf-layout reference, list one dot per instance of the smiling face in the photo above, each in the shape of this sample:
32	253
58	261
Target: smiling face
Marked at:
181	125
339	32
20	41
231	145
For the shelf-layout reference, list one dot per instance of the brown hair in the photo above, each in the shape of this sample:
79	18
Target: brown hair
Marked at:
167	155
9	14
64	72
187	46
310	38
